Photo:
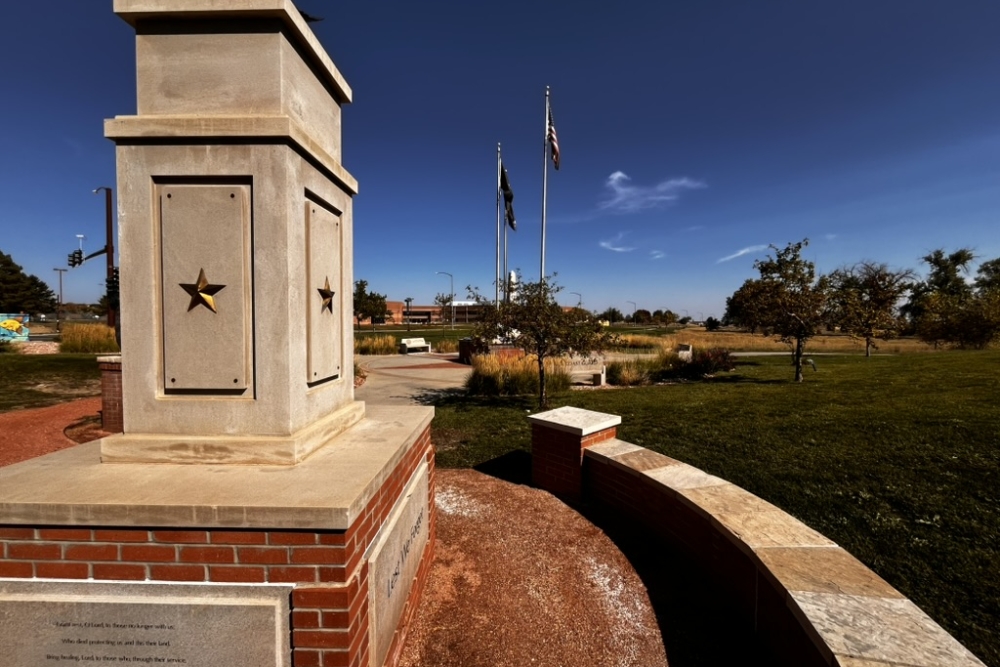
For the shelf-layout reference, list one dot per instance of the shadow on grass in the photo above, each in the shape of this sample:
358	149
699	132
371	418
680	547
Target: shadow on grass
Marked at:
742	379
449	396
458	398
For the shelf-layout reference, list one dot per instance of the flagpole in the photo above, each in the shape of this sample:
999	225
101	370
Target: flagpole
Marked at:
496	298
505	262
545	178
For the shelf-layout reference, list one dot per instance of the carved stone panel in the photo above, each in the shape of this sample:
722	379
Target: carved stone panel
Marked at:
206	288
324	301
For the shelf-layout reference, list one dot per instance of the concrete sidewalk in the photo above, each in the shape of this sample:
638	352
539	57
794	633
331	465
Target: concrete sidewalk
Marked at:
408	379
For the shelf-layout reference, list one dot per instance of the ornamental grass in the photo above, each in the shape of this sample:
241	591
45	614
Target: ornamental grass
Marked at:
80	338
514	375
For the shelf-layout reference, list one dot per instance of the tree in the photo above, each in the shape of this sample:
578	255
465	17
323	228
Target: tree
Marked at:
665	317
611	315
712	324
945	279
444	302
792	301
543	328
988	277
863	301
367	305
21	292
743	308
642	316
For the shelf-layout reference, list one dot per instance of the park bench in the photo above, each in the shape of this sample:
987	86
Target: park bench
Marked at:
414	345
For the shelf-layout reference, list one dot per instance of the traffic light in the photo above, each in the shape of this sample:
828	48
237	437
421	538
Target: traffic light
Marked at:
112	285
75	258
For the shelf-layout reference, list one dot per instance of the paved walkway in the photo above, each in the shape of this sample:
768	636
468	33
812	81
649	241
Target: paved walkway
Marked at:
411	378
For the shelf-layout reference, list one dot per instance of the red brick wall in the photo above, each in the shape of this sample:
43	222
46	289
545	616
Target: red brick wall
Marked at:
761	607
111	396
556	458
329	604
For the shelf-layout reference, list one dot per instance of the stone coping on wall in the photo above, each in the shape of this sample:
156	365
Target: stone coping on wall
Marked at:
575	420
854	617
326	491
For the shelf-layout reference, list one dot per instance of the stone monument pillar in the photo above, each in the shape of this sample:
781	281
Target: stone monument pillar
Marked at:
252	512
236	232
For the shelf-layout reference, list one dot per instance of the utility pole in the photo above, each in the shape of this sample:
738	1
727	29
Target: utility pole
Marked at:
59	309
109	247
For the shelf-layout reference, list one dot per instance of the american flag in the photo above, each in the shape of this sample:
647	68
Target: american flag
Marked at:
553	141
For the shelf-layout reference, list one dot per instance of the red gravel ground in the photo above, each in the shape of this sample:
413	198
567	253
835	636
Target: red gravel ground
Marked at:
31	433
521	579
518	578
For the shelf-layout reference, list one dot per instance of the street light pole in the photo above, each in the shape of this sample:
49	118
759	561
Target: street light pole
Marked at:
59	309
408	301
633	311
452	296
579	301
109	246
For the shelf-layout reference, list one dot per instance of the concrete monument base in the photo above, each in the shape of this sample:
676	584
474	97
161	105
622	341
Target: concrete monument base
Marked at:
350	529
238	449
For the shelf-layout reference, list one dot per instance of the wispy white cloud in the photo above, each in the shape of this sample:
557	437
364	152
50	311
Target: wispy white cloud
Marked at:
829	237
657	254
627	198
615	244
741	252
695	228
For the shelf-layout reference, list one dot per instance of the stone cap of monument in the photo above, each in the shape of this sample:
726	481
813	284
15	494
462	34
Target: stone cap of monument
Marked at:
134	11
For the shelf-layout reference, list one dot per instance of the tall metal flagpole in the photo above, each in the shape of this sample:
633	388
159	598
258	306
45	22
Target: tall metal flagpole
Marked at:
545	178
505	285
496	298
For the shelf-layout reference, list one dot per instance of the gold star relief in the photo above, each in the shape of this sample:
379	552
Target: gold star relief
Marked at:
202	294
327	295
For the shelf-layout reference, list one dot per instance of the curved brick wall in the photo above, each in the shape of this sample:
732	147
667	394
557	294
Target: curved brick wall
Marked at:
807	599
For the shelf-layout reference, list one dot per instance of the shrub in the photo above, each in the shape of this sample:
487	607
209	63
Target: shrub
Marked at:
632	372
375	345
708	362
667	366
514	375
88	339
446	345
633	342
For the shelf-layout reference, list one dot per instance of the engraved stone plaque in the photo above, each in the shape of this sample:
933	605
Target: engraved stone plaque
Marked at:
205	287
323	297
90	623
394	561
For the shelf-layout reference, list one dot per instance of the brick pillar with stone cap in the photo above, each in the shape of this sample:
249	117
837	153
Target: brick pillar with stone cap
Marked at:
111	393
558	438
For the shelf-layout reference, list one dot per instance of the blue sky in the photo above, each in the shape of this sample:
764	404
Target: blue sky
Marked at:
693	135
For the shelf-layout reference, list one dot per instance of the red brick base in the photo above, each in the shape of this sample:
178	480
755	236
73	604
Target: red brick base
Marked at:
330	622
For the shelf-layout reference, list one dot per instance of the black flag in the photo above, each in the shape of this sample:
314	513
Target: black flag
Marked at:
508	198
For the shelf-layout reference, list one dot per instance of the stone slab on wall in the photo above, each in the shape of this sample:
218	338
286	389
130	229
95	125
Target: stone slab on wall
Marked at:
50	622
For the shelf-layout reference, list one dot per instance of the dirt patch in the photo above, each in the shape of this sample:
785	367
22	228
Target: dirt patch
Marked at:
521	579
38	431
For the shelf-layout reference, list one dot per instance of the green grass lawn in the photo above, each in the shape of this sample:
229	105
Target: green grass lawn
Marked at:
895	458
34	381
